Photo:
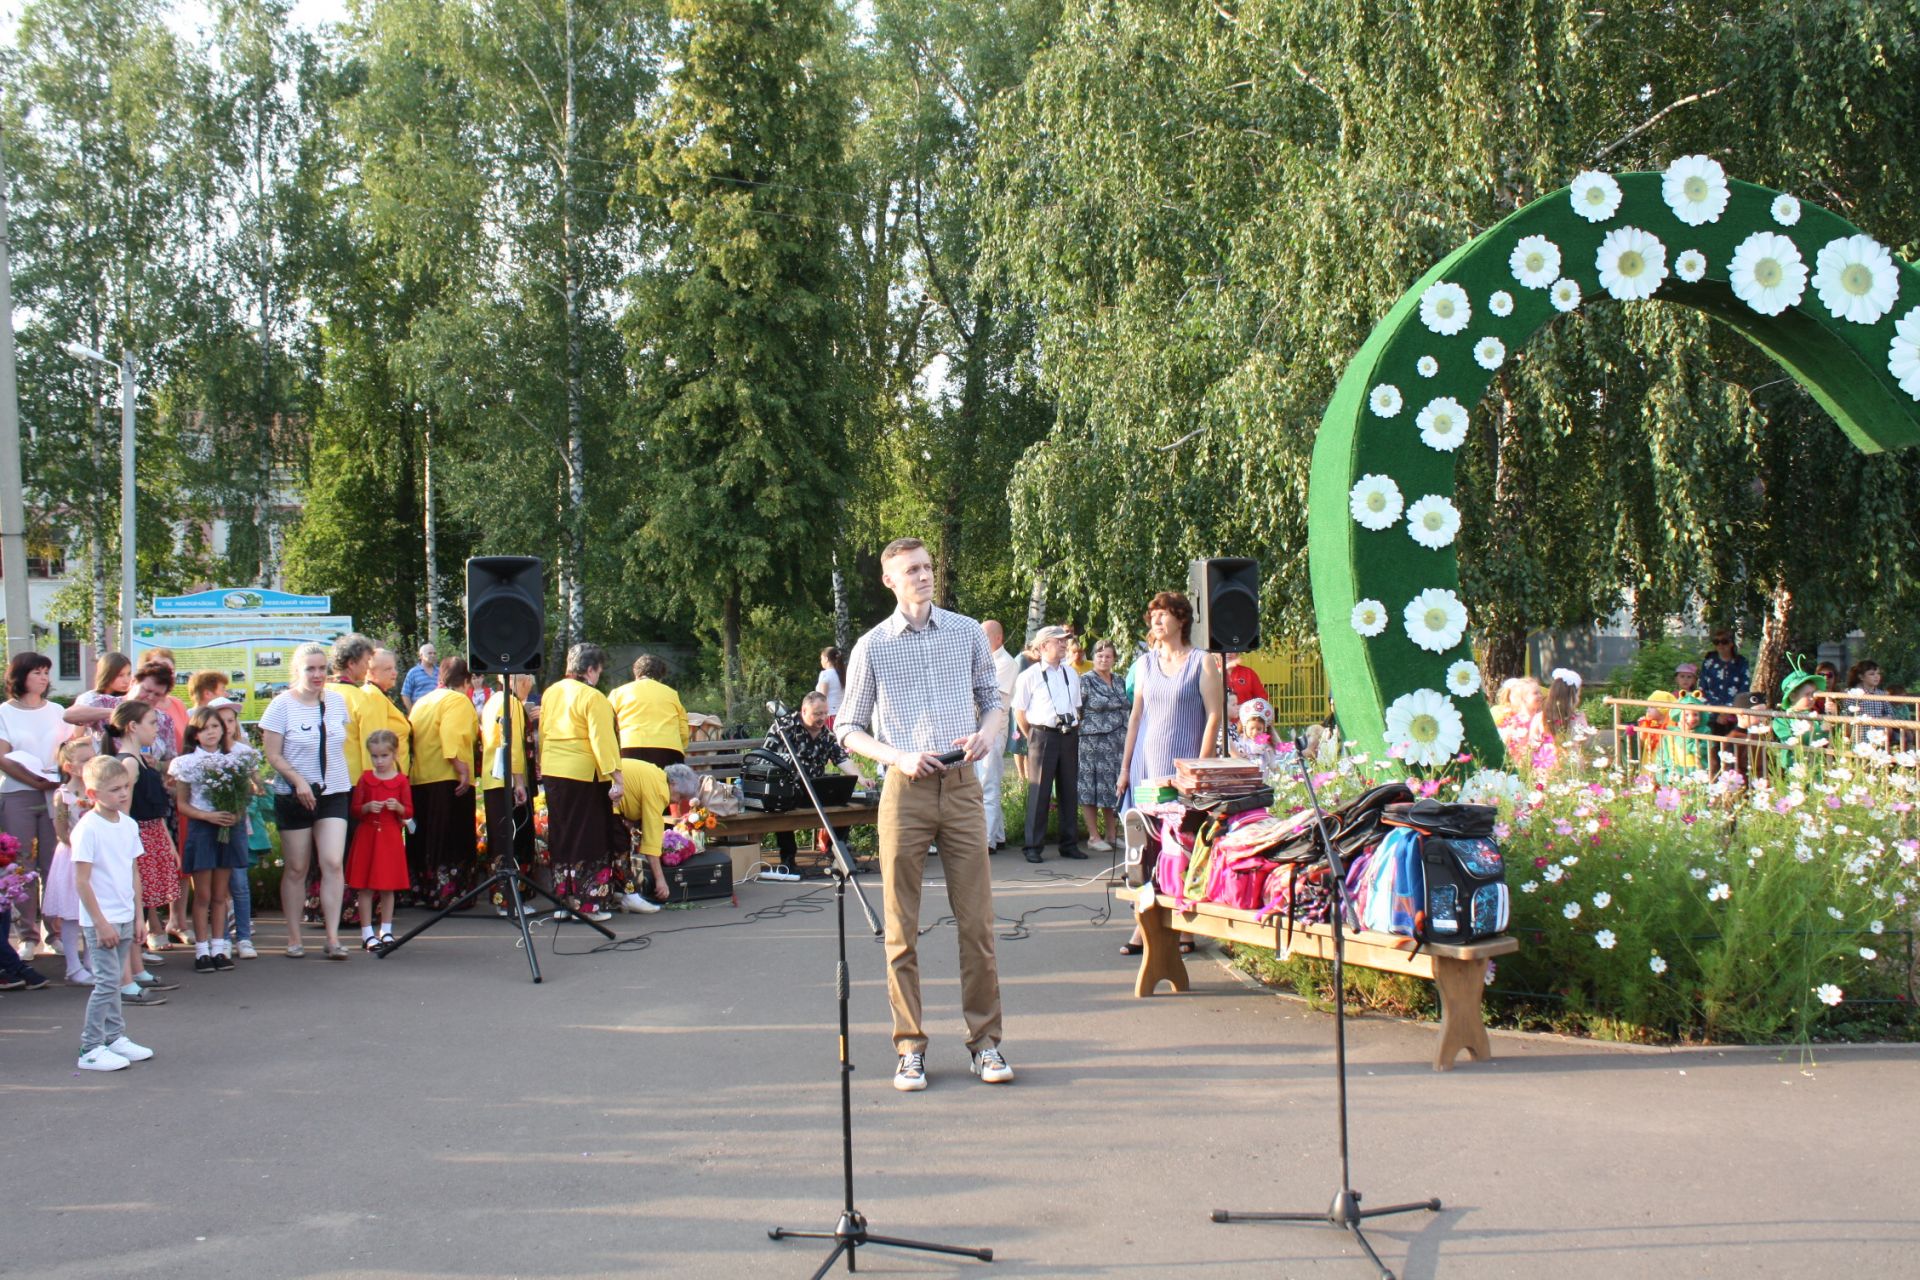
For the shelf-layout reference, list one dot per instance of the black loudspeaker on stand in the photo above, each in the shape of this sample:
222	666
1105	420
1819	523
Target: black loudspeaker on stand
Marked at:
1345	1211
850	1231
506	632
1225	595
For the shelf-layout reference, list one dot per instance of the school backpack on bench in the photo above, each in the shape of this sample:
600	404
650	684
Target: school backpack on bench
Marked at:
1466	896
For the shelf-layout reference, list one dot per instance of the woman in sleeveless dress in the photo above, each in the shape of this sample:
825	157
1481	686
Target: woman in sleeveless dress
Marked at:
1177	705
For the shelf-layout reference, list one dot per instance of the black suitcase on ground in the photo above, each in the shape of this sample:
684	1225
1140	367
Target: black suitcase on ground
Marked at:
704	875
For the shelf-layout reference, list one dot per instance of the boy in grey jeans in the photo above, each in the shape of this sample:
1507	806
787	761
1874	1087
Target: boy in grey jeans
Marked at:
106	844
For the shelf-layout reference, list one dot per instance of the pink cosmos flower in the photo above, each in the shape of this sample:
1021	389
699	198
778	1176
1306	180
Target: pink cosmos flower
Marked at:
1667	798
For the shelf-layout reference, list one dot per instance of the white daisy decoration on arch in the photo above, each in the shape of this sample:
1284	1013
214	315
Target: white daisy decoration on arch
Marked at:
1856	278
1445	308
1903	354
1691	266
1424	727
1535	262
1375	502
1501	303
1489	353
1435	619
1767	273
1427	366
1369	618
1695	188
1463	678
1632	264
1433	521
1443	424
1565	294
1785	210
1385	400
1595	195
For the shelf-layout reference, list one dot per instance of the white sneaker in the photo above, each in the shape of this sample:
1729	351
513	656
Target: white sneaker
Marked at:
598	917
635	903
245	951
991	1067
911	1075
129	1050
1099	846
102	1059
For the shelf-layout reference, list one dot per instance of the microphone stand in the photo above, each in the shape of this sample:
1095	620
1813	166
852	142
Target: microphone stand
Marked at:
1345	1211
850	1231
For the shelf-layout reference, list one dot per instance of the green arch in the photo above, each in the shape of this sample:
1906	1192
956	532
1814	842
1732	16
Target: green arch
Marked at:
1843	363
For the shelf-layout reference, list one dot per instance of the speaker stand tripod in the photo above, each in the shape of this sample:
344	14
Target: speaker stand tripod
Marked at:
507	875
1345	1211
850	1231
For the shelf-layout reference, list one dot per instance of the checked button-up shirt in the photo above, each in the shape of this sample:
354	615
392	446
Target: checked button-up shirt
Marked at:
919	690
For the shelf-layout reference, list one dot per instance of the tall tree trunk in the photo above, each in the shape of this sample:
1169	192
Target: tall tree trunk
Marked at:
409	515
1776	629
730	647
1506	656
1506	636
574	564
1036	607
97	541
430	533
842	615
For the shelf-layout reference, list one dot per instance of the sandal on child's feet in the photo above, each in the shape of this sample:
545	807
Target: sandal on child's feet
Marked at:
1186	947
1131	948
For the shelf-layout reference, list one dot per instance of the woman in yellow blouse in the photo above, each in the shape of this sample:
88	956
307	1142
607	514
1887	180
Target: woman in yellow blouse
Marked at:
579	769
653	724
505	798
645	792
383	673
442	850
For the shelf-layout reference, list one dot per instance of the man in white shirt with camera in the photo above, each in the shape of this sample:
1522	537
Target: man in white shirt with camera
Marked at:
1046	705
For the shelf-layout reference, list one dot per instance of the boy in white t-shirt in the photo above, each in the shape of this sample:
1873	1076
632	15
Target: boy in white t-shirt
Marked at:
106	845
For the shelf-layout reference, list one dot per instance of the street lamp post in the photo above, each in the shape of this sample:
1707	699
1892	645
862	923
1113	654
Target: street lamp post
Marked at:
125	365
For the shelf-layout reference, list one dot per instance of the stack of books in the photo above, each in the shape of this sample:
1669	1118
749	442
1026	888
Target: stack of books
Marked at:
1217	776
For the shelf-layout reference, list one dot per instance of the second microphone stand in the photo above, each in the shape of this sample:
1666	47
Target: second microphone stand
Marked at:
850	1232
1345	1211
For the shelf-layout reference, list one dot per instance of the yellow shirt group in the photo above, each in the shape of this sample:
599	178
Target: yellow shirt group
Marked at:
378	711
445	726
490	743
578	738
650	715
643	799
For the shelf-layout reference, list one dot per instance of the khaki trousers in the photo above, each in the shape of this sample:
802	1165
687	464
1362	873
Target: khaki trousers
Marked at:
946	810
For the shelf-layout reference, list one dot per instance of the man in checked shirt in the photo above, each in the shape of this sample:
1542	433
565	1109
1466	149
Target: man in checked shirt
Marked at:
920	684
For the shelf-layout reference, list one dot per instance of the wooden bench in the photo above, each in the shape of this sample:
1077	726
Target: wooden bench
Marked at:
720	757
1457	972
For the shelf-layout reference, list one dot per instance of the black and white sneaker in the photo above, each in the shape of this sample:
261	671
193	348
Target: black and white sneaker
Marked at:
222	962
203	964
991	1066
911	1075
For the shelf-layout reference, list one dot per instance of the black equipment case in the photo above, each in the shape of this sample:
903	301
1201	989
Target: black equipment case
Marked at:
704	875
769	784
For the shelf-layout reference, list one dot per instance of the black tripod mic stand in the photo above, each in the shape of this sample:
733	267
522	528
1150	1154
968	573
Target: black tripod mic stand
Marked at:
1345	1211
507	874
850	1232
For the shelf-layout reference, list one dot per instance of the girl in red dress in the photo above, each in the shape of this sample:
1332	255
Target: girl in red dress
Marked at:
377	862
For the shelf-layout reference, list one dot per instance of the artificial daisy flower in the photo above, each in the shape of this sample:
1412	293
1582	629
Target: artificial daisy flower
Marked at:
1425	726
1385	400
1444	308
1375	502
1501	303
1435	620
1595	195
1631	264
1566	294
1369	618
1427	366
1489	353
1903	356
1856	279
1691	266
1433	521
1535	262
1695	188
1785	210
1463	679
1767	273
1443	424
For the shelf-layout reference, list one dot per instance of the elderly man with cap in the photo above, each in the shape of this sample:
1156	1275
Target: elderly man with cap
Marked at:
1046	706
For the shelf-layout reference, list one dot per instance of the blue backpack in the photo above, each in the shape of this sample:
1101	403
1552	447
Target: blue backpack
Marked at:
1396	893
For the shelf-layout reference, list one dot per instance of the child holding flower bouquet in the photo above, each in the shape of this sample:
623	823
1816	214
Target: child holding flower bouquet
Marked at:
212	787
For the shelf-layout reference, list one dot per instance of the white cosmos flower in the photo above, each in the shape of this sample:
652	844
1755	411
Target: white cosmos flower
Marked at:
1375	502
1829	994
1571	911
1443	424
1369	618
1489	353
1566	294
1720	892
1767	273
1856	278
1695	188
1463	679
1385	400
1868	953
1602	900
1433	521
1876	926
1903	355
1554	872
1605	939
1596	196
1631	263
1426	726
1691	266
1427	366
1444	308
1501	303
1785	210
1435	620
1657	964
1535	262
